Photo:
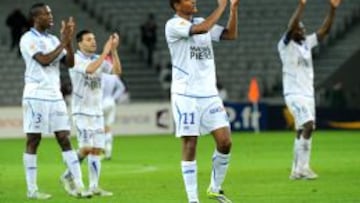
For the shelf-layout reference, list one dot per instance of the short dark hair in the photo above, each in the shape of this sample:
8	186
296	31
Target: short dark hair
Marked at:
79	35
34	10
173	2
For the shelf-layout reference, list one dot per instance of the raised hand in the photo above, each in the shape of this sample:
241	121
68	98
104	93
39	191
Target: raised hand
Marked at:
222	3
234	3
64	33
108	46
302	2
71	25
335	3
115	40
67	31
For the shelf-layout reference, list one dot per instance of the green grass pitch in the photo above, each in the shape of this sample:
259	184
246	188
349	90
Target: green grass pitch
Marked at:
146	169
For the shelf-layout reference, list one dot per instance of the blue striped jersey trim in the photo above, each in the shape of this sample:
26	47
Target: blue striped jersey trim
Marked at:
47	100
197	97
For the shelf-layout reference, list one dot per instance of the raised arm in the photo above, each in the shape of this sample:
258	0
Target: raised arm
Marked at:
117	69
65	42
211	20
93	66
69	58
295	18
231	31
326	26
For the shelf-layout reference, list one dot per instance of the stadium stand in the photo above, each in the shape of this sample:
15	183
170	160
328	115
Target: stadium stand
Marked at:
136	74
253	54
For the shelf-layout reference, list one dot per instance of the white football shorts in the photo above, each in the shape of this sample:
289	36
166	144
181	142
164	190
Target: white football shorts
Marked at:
45	116
90	130
302	108
196	116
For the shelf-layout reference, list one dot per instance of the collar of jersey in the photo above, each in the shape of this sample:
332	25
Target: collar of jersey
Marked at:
85	56
191	20
37	33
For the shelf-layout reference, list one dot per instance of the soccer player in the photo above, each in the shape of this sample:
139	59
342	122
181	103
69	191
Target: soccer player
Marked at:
86	104
295	53
112	88
196	106
44	109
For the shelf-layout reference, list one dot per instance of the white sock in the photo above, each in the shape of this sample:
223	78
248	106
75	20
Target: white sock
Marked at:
30	164
306	152
295	165
72	162
189	173
67	174
94	166
108	144
219	169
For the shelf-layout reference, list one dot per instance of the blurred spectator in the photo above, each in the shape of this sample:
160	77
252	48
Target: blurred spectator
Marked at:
148	37
18	25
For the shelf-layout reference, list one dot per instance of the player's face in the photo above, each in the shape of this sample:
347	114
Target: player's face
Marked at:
88	43
187	7
299	32
44	18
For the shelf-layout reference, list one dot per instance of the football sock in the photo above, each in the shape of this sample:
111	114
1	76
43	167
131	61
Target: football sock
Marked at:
67	173
73	165
297	146
220	164
189	173
94	166
306	151
30	164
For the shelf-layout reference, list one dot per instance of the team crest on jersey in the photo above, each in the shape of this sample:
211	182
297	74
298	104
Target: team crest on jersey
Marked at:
32	46
182	23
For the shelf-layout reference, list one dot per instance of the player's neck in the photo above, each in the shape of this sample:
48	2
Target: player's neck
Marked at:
185	16
40	29
85	53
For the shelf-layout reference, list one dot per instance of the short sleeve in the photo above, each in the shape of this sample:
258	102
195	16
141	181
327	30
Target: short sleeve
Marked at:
216	32
281	44
177	28
311	40
30	46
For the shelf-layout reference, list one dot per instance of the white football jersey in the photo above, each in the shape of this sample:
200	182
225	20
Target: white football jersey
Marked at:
86	92
41	82
112	86
192	57
298	71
